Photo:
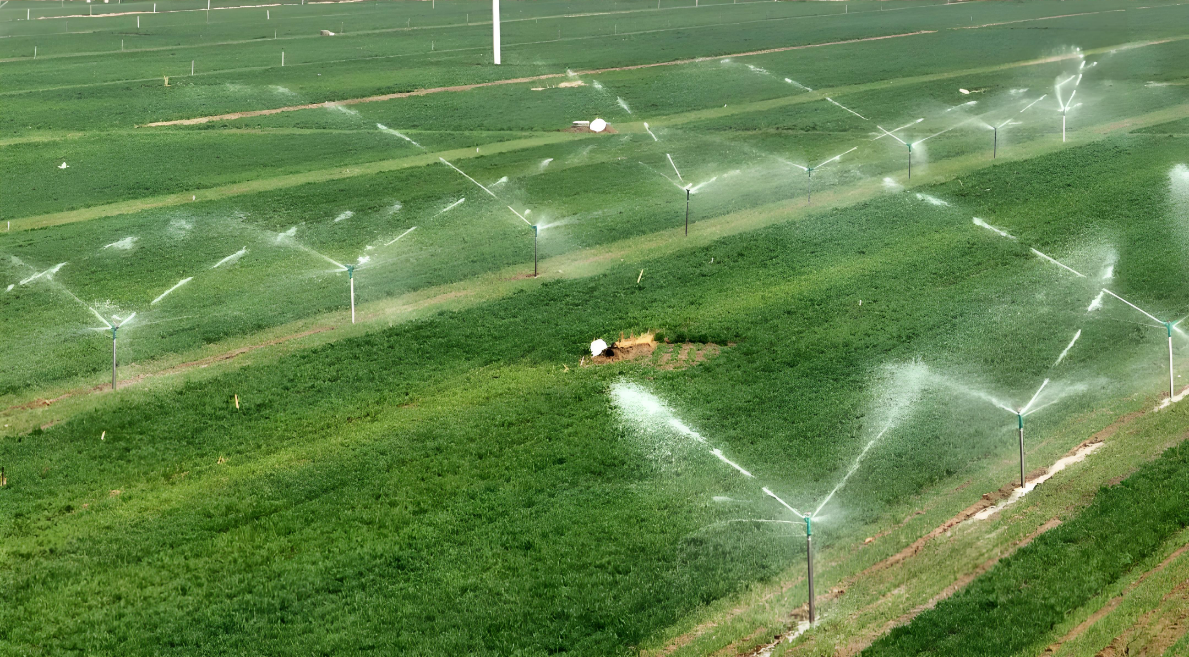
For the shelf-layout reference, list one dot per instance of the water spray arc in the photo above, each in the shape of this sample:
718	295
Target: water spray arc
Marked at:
1168	326
1065	105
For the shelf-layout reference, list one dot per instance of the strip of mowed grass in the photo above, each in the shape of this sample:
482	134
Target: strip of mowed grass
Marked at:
1014	608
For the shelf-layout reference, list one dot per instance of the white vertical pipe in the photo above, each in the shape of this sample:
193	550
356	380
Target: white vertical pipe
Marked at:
495	29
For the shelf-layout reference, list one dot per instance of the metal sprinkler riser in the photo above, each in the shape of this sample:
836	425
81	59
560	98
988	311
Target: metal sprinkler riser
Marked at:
809	565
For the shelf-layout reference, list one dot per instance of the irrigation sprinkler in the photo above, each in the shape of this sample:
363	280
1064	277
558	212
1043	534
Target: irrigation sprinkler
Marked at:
1065	105
536	232
808	549
351	278
809	566
995	136
891	133
1168	326
687	211
113	355
809	172
1020	416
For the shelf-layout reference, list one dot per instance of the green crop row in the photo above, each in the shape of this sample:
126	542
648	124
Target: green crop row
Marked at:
1015	608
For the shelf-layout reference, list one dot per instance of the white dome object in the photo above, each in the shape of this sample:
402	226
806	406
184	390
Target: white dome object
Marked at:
597	347
598	125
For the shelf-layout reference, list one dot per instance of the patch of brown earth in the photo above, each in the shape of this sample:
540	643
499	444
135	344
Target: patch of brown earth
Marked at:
633	347
582	128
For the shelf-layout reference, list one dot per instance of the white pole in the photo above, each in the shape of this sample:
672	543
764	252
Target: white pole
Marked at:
495	29
282	58
138	22
154	7
28	14
268	14
191	67
1063	127
34	52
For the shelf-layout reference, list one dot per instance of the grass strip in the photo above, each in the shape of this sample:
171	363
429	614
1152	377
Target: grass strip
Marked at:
1017	605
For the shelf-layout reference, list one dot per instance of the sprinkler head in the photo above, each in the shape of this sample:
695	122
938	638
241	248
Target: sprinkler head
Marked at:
350	271
1020	416
113	331
808	526
909	147
535	229
1168	325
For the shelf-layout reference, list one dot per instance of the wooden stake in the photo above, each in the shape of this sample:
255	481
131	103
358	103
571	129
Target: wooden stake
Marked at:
237	401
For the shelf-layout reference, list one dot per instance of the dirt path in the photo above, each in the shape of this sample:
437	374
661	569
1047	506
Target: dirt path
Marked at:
496	83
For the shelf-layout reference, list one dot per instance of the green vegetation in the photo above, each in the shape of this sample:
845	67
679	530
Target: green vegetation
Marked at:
1016	606
461	482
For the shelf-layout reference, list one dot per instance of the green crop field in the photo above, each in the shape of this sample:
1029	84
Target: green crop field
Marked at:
885	256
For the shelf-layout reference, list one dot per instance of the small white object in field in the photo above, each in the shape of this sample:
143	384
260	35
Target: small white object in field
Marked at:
598	125
963	91
63	166
597	347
